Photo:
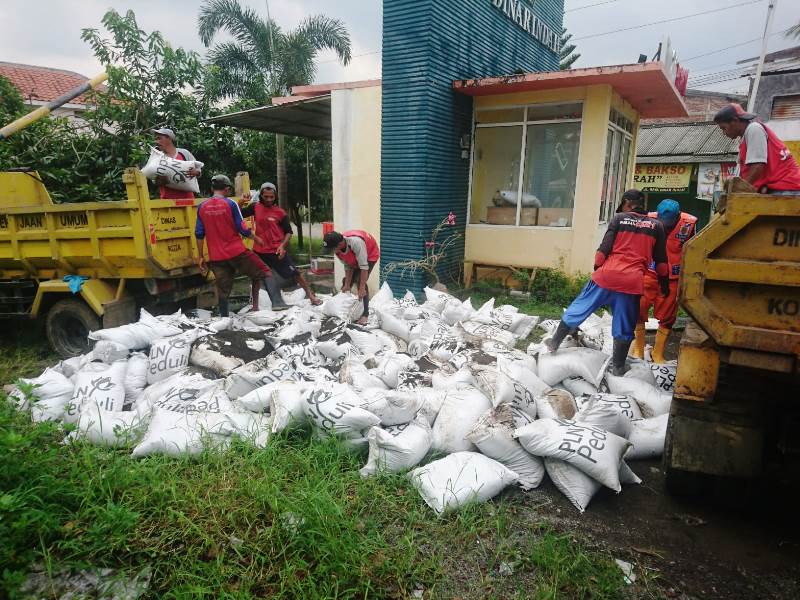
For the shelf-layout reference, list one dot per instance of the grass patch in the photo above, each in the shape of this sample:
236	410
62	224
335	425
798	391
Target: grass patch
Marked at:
24	351
301	254
291	520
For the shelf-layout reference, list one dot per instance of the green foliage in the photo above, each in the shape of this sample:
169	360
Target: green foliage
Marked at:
567	56
11	105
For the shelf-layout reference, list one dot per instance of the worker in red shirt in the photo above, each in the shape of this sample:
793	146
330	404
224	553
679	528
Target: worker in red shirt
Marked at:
274	229
359	251
764	160
679	227
165	140
632	241
220	226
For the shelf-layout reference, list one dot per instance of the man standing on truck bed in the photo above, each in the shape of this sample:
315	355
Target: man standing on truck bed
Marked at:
633	241
764	160
165	140
274	229
219	223
679	227
359	251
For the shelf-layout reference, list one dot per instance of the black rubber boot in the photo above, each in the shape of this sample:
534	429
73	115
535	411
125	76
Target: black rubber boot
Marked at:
620	354
554	342
274	290
223	307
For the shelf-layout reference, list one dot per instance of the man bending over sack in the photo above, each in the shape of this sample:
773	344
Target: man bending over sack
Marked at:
219	223
633	241
275	231
359	251
679	227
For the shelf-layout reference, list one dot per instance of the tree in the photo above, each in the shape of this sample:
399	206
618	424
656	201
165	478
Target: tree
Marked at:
567	56
264	61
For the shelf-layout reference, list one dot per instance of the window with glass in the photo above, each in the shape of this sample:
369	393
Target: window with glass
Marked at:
525	165
617	163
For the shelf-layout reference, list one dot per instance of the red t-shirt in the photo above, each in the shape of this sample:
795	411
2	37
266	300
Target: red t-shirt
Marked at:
632	241
168	193
782	172
272	225
219	222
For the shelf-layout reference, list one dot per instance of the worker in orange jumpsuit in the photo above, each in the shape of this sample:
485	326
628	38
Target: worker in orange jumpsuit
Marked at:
679	227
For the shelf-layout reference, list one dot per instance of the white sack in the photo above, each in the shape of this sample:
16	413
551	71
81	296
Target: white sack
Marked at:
460	411
493	435
437	301
642	372
596	452
392	324
518	386
177	434
477	332
578	386
369	344
334	408
99	384
176	171
345	306
647	437
390	366
287	405
51	393
169	356
577	486
139	335
462	477
651	400
664	376
393	407
462	378
453	313
260	372
108	351
432	401
382	296
354	373
136	376
567	362
625	405
397	447
556	404
334	350
108	428
182	393
604	415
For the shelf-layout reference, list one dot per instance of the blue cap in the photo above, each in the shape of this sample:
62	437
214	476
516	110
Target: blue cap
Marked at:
668	209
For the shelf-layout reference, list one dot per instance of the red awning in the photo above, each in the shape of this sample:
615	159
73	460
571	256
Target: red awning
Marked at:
645	86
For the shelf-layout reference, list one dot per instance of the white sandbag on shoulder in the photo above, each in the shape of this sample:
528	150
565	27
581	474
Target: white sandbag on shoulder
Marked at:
450	482
518	386
572	362
176	171
335	408
393	407
392	324
462	378
51	393
478	332
556	404
108	428
453	313
108	351
260	372
647	437
493	435
595	451
652	401
664	375
625	405
100	384
397	447
139	335
390	366
578	386
345	306
169	356
177	434
460	411
136	376
354	373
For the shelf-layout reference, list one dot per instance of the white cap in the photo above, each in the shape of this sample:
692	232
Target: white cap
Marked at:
165	131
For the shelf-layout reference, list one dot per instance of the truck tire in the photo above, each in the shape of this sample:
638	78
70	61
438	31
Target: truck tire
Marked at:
69	322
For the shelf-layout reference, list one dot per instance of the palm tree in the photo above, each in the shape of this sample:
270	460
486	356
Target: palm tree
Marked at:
567	56
263	61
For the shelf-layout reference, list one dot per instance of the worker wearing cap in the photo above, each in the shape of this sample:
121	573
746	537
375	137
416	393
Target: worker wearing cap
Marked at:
679	227
764	160
165	140
221	228
631	243
359	251
275	231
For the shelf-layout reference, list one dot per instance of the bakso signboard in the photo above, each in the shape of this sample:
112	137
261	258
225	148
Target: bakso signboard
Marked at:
662	178
522	14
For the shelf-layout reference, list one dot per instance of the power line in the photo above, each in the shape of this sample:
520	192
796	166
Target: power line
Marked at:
733	46
706	12
351	58
590	5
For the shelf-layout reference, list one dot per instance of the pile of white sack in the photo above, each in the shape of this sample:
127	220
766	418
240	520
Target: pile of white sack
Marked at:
436	388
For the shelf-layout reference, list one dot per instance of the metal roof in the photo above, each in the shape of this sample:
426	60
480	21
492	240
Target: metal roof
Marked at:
305	117
684	142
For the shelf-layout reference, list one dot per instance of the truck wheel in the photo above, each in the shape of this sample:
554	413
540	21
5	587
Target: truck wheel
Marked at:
68	325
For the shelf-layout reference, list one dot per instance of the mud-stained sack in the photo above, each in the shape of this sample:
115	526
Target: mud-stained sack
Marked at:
287	405
463	477
397	447
651	400
108	351
594	451
369	344
642	372
393	407
517	385
260	372
136	376
180	434
478	332
568	362
493	435
100	384
463	378
52	392
390	366
664	375
337	350
169	356
139	335
460	411
344	306
556	404
225	351
354	373
578	386
647	437
453	313
432	401
108	428
496	349
335	409
625	405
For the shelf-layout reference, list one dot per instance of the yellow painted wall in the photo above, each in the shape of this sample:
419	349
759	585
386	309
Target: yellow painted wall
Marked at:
356	157
568	248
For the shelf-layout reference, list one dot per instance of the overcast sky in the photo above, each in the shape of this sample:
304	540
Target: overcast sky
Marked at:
47	32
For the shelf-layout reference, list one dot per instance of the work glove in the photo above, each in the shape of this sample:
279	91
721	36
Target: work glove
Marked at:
663	283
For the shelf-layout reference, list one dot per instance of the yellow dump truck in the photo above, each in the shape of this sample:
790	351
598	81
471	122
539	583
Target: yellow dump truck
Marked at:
134	253
735	411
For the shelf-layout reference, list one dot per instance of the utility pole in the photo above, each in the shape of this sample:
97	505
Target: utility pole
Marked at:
764	42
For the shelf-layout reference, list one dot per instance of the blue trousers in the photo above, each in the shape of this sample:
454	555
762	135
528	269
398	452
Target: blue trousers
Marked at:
624	309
